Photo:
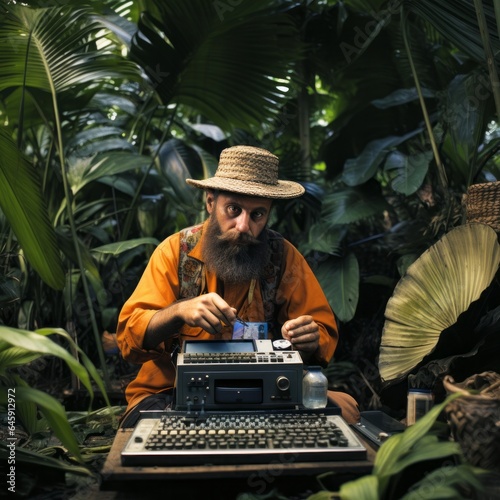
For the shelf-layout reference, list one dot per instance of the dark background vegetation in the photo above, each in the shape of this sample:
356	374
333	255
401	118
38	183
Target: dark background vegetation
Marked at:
385	111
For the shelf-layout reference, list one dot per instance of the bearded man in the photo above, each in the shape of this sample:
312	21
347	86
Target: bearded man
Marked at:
199	281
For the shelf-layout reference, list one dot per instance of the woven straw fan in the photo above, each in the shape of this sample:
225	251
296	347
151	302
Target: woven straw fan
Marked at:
440	285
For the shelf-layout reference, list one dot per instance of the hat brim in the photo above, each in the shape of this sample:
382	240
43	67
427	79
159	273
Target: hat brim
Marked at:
284	190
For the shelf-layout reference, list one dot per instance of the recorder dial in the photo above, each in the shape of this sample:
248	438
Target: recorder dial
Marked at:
283	383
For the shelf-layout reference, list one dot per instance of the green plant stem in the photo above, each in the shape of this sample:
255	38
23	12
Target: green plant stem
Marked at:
71	219
304	127
496	4
128	221
488	52
439	164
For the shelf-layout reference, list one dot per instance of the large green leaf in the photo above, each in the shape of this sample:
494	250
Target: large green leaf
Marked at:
175	164
441	482
40	343
339	279
361	169
23	455
366	488
35	342
46	52
22	203
67	246
400	446
410	170
52	410
10	357
428	448
53	45
418	443
456	20
401	96
468	99
439	286
324	238
119	247
82	172
85	361
352	205
230	62
26	410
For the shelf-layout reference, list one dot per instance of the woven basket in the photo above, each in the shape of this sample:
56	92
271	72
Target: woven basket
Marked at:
482	204
475	418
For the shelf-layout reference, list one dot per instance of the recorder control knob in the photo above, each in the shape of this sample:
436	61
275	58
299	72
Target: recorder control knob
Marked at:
283	383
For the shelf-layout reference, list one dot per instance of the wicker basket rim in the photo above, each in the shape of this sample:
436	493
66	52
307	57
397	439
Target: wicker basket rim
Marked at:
451	387
485	185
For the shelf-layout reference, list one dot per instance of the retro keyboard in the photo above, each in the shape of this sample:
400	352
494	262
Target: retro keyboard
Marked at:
175	438
247	357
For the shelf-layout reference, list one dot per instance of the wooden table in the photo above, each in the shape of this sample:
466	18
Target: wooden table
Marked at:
223	481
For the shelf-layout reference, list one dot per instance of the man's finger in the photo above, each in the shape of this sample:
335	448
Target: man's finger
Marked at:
224	312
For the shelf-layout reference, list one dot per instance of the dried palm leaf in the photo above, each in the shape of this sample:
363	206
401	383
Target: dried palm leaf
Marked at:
436	289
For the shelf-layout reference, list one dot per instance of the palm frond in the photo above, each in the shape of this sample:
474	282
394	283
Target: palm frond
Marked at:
456	20
22	203
436	289
56	49
232	65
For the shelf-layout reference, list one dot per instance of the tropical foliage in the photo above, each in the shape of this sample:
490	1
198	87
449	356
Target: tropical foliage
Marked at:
40	414
417	463
98	147
19	347
385	111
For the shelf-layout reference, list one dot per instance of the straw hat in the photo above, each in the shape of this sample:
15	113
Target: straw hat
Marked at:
250	171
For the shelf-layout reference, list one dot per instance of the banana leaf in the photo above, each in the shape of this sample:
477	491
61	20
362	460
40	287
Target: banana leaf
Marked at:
22	203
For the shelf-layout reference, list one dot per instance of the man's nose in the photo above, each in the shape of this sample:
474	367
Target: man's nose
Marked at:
243	222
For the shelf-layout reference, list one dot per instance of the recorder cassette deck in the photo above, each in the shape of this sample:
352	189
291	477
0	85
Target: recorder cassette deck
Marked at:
237	374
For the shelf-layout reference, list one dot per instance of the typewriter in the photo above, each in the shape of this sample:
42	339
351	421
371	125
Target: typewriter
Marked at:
239	402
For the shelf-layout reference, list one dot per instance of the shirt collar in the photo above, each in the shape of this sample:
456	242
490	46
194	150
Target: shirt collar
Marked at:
196	252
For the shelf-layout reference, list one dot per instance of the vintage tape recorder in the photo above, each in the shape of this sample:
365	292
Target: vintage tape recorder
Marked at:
237	374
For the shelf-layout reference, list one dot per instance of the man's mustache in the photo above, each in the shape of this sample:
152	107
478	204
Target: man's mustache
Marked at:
236	238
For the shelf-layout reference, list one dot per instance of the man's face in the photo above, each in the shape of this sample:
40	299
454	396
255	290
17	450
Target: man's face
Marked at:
235	246
239	214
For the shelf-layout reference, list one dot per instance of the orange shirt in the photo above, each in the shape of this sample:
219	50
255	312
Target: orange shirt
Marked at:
299	293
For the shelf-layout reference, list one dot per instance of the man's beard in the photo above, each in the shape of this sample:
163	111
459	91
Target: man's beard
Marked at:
233	256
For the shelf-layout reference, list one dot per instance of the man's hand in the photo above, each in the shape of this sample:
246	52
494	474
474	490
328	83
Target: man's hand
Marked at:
209	311
303	333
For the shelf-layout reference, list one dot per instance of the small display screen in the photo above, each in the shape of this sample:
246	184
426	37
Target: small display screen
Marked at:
218	346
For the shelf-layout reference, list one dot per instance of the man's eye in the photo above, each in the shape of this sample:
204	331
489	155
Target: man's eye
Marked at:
233	210
258	215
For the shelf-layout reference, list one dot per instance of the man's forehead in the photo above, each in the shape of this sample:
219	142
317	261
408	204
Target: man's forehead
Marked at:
245	200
